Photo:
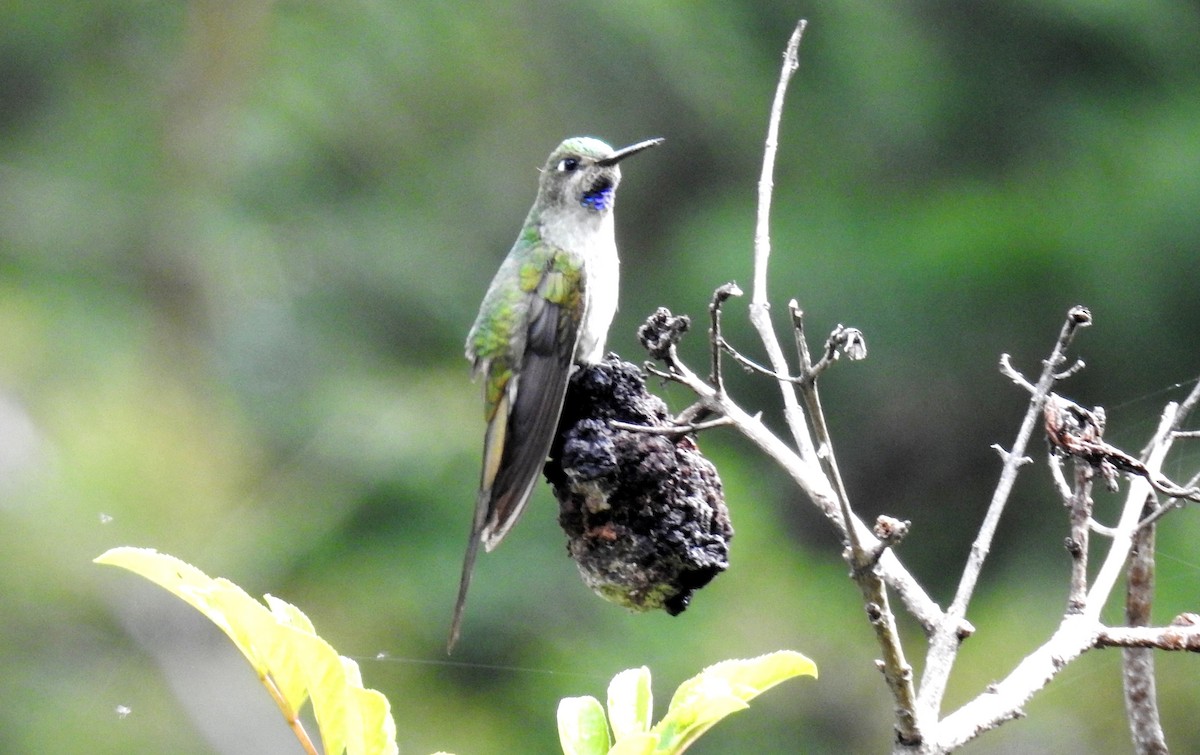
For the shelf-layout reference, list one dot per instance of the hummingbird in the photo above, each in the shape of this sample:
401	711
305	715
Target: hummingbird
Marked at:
547	309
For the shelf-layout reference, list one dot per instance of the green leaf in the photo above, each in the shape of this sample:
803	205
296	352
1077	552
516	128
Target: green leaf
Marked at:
292	661
722	689
582	729
630	703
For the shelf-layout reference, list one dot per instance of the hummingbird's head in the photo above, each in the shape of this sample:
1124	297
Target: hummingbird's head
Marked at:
583	173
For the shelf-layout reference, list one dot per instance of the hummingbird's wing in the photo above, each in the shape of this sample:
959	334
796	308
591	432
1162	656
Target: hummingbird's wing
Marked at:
523	392
534	400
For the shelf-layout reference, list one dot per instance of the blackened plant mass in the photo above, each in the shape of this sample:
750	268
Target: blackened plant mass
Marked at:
644	513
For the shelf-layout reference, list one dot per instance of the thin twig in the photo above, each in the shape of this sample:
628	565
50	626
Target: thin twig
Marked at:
716	341
1185	409
1079	365
760	308
666	374
752	366
1139	489
766	182
797	315
1007	369
1189	489
841	340
671	430
1054	461
812	401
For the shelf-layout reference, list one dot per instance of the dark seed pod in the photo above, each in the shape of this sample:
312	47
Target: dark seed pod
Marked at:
644	514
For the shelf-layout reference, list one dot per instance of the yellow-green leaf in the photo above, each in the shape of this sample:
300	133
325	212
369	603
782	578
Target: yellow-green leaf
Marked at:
582	729
721	689
327	683
635	744
287	671
285	651
286	613
379	730
630	703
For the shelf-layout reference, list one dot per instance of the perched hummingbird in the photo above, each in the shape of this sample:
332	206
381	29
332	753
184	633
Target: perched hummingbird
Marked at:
548	308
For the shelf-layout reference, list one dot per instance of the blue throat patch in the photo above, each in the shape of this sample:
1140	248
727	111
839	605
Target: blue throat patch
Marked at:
598	200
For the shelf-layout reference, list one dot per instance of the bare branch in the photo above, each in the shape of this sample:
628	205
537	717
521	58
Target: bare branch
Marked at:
1141	695
896	668
1100	529
943	646
842	340
1181	413
1172	638
1080	507
716	341
658	373
766	182
750	365
760	315
1005	700
797	316
1186	406
1007	456
1054	460
1007	369
1077	633
1072	430
1079	365
1139	489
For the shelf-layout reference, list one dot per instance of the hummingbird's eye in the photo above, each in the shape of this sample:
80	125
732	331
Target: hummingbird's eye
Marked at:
567	164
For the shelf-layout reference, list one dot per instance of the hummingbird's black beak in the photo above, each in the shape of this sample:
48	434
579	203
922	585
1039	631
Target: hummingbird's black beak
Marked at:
625	152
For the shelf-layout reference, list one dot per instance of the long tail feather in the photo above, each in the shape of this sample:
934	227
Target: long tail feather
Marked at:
464	581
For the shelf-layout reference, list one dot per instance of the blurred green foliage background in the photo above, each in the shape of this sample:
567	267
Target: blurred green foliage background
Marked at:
241	244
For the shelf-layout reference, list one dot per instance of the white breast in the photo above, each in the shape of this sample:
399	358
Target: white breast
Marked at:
602	271
594	242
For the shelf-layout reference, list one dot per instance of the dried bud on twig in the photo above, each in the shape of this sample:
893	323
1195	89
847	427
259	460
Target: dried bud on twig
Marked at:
1186	620
1077	432
849	341
661	332
890	530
